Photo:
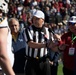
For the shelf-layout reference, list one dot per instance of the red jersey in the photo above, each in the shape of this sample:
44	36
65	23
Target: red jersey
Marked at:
69	61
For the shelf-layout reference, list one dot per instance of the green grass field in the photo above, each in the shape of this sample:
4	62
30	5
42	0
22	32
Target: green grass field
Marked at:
60	69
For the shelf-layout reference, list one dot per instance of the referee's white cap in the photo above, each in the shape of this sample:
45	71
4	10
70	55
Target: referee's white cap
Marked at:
39	14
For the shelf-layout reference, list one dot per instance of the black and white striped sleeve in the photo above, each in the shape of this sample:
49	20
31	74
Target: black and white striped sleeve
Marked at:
28	36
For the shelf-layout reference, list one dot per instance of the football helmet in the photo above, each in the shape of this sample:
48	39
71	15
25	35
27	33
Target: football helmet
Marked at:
7	1
3	6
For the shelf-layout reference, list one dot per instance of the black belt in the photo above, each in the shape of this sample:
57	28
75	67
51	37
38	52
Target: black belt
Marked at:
38	59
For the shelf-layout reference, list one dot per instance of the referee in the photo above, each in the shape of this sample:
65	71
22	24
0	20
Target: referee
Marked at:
36	48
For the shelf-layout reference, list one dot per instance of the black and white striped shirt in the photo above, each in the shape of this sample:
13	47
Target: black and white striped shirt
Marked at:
37	35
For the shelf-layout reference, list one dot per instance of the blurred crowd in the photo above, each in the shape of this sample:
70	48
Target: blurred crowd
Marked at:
57	12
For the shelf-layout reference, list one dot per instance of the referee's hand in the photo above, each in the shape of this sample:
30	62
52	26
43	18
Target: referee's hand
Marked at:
53	46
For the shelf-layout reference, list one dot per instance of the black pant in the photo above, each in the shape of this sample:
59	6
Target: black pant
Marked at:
37	67
54	69
19	61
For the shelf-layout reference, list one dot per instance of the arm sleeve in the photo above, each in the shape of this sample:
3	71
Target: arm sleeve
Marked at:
27	35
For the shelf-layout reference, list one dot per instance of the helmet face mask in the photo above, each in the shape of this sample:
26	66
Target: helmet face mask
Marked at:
3	6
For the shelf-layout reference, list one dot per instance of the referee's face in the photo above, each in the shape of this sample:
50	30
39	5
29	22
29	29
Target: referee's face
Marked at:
38	22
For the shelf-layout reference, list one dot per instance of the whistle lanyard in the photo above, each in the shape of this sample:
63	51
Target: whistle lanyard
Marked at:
73	38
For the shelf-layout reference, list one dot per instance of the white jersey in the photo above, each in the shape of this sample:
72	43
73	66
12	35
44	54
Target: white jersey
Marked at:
4	23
